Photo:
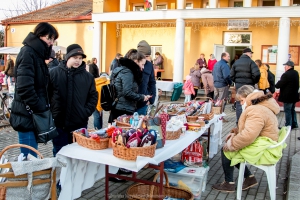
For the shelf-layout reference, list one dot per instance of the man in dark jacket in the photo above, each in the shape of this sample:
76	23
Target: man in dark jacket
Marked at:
289	86
53	62
271	80
244	72
73	96
222	80
115	63
148	85
93	68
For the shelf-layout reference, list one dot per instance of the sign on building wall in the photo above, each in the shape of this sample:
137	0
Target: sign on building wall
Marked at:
269	54
238	24
237	38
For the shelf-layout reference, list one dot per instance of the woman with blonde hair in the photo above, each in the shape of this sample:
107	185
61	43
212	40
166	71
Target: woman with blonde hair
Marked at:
263	83
257	130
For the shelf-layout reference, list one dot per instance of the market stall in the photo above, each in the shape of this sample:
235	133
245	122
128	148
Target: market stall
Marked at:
85	166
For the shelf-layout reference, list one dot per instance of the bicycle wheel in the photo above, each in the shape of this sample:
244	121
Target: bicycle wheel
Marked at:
5	114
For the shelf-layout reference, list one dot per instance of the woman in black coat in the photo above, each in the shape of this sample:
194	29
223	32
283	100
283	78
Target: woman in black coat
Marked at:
126	80
31	73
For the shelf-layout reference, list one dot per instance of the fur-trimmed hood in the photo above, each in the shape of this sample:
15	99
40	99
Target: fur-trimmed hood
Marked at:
134	68
258	97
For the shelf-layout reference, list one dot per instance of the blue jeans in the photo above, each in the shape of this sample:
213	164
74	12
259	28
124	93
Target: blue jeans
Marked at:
290	115
98	119
142	110
28	138
64	138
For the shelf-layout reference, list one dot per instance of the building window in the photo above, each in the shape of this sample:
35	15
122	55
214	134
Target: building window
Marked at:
296	2
189	6
237	4
161	7
268	3
155	49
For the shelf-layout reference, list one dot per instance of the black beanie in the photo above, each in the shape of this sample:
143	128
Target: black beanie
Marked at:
74	50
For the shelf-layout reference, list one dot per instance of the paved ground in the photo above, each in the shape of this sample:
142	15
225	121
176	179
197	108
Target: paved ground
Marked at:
215	175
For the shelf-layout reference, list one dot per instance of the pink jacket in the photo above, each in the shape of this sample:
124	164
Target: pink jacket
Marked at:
188	88
1	77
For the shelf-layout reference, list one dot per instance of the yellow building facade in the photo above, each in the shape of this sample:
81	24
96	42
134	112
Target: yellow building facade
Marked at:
182	30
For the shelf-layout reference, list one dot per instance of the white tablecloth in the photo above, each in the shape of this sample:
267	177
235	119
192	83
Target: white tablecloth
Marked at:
85	166
165	85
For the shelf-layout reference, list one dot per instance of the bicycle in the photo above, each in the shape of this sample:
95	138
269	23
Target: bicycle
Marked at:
6	99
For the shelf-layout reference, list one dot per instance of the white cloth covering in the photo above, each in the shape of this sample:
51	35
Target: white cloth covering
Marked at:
85	166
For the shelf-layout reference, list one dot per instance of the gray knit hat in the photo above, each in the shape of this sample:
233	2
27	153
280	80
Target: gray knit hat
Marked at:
144	48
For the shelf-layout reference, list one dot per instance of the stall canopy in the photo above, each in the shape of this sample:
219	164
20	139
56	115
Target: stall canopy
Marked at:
16	50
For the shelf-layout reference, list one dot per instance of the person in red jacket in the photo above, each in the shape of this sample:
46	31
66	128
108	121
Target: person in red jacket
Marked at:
188	89
211	62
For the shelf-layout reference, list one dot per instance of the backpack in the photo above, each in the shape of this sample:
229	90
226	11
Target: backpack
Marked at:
109	98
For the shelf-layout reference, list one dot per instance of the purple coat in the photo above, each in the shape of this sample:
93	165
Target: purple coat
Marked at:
196	75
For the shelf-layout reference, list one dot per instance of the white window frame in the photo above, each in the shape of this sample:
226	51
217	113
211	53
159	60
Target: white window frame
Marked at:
161	4
138	5
153	50
190	3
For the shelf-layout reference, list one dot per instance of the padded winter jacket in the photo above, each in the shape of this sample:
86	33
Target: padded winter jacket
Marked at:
221	74
31	73
289	86
10	68
244	72
73	96
125	80
263	81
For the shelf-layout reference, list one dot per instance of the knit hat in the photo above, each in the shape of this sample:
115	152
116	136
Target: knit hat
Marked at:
144	48
74	50
188	77
52	54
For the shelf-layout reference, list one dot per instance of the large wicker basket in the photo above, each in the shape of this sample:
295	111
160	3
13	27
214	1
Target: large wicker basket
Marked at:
89	142
173	135
191	118
150	192
131	153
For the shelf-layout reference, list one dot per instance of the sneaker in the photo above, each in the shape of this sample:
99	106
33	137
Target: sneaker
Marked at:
224	187
249	182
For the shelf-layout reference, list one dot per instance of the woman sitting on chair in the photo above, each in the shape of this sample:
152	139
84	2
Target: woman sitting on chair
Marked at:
257	128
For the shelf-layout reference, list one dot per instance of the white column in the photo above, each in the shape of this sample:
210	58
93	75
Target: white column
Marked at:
213	3
283	45
247	3
97	42
284	2
123	5
181	4
179	51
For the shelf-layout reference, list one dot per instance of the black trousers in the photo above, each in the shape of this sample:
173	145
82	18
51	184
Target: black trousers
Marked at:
228	170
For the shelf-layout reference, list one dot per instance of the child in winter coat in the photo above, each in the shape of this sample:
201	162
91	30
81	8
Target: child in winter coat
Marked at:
188	89
196	78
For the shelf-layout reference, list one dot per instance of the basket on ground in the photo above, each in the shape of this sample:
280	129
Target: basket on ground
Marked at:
173	135
89	142
131	153
150	192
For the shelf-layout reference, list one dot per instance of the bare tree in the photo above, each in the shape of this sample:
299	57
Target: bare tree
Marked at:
24	6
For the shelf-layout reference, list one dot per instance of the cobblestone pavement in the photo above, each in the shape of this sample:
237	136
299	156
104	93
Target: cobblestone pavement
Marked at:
118	190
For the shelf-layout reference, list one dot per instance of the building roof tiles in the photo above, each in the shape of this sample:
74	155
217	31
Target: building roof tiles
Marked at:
65	11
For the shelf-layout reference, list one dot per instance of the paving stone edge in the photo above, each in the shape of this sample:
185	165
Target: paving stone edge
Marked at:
293	189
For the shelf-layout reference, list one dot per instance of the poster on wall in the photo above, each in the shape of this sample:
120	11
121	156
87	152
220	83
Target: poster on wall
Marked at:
237	38
269	54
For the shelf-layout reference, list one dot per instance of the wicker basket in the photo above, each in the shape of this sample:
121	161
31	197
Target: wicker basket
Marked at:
131	153
150	192
122	124
173	135
89	142
191	118
217	110
208	116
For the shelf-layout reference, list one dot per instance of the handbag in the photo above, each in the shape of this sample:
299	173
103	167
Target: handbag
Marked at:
44	126
192	155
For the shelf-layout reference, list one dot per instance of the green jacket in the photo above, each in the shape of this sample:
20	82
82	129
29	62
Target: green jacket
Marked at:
258	153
